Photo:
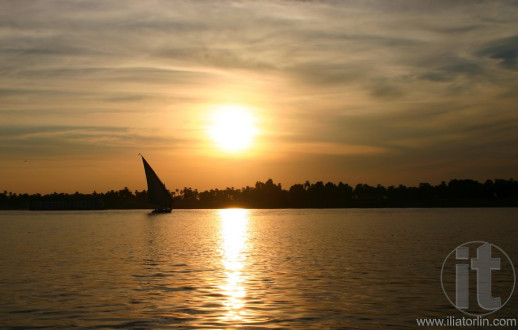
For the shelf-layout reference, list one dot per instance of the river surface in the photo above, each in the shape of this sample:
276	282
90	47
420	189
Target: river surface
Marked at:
303	269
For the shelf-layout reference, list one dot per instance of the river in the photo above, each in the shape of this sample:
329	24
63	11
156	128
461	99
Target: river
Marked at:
297	268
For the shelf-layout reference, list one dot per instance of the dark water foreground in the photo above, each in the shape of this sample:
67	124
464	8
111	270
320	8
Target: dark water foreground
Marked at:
307	269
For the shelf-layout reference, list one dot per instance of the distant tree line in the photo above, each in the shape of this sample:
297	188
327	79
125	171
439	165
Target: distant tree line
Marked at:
455	193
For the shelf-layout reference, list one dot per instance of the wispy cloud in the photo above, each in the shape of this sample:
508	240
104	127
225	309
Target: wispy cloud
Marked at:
40	142
505	51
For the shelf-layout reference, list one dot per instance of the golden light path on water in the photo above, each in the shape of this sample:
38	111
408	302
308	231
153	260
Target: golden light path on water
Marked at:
234	234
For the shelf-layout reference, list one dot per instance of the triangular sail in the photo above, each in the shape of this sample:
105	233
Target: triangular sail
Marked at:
157	193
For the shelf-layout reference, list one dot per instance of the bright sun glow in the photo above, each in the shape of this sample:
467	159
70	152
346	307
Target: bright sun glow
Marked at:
232	127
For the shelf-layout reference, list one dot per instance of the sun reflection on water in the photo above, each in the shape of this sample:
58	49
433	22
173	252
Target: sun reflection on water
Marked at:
234	223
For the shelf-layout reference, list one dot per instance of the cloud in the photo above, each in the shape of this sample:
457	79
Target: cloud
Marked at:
505	51
448	67
143	75
51	141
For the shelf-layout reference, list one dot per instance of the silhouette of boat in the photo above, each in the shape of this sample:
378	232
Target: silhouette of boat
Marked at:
156	191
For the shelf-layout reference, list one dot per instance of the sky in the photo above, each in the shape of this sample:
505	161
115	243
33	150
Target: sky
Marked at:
376	92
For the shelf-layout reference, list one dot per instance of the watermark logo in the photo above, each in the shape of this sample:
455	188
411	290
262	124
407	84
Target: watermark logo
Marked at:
478	278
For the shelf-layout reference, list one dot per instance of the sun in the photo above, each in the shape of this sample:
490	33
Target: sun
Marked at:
232	127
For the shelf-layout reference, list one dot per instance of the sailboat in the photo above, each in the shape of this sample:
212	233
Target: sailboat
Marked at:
156	191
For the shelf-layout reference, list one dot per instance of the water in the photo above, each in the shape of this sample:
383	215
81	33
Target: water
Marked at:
306	269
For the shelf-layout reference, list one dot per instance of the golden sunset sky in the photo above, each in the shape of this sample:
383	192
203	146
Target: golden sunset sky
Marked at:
384	92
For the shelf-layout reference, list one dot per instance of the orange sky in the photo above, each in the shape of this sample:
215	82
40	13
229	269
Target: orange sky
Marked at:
382	92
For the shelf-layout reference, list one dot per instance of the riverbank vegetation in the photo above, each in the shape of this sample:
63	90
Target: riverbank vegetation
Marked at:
455	193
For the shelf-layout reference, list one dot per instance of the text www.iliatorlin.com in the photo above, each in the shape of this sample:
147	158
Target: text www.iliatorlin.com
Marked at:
452	321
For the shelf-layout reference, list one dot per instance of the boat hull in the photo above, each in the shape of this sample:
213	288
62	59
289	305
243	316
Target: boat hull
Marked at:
166	210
